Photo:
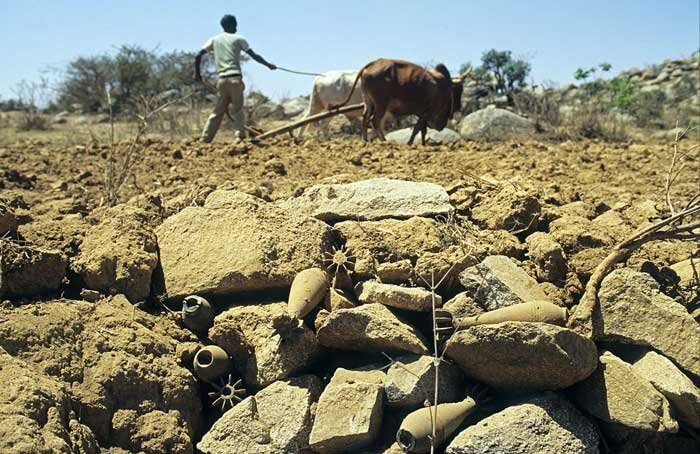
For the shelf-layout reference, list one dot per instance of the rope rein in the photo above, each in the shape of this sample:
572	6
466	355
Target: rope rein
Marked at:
303	73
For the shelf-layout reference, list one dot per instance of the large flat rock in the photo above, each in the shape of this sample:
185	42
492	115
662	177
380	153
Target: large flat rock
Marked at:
523	356
276	420
680	391
369	327
544	424
616	393
634	311
374	199
349	413
237	243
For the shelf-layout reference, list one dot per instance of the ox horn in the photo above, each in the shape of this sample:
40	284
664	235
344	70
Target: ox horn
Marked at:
463	77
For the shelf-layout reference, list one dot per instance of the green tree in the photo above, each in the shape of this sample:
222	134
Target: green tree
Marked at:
509	73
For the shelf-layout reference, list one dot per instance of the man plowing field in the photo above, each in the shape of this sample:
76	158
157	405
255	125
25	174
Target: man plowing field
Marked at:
227	48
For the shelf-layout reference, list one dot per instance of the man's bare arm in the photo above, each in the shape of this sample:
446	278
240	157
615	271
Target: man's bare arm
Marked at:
198	64
260	59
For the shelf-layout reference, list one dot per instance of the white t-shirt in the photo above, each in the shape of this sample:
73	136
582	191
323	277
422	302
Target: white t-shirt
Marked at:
227	49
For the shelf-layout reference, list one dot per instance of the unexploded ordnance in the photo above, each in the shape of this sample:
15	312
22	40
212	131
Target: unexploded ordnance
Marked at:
197	314
211	363
416	430
227	394
533	311
308	289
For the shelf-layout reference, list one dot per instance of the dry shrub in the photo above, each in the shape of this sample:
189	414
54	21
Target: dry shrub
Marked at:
541	108
592	120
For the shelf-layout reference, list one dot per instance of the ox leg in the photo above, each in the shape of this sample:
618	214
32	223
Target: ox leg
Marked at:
416	128
423	132
366	117
378	124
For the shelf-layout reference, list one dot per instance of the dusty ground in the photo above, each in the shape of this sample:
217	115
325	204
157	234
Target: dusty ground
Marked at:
60	178
53	180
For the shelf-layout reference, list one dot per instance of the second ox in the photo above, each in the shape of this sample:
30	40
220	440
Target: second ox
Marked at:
403	88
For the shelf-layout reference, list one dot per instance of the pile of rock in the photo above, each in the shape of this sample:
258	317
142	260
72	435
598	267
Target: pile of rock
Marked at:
343	374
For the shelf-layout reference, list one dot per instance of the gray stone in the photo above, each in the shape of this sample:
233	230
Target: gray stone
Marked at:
616	393
374	199
369	327
498	282
27	271
408	298
237	243
265	343
680	391
434	136
544	424
278	419
119	254
634	311
520	356
410	381
548	257
348	417
494	124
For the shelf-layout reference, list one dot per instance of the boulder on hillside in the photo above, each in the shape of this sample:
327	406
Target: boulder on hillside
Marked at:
680	391
237	243
27	271
492	123
616	393
523	356
433	136
264	342
277	419
122	367
369	327
374	199
634	311
119	254
36	413
498	282
544	424
349	414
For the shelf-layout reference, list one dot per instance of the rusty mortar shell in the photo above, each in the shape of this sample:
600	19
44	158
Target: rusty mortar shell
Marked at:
307	291
211	363
197	314
533	311
416	430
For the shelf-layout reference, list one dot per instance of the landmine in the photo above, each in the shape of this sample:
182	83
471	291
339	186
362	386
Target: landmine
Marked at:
416	430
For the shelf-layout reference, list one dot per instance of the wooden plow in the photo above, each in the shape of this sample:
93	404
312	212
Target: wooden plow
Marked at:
305	121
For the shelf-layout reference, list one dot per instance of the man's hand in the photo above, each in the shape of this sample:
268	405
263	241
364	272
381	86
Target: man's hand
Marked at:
197	77
272	66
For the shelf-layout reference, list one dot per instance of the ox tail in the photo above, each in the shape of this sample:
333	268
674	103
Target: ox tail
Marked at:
347	100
